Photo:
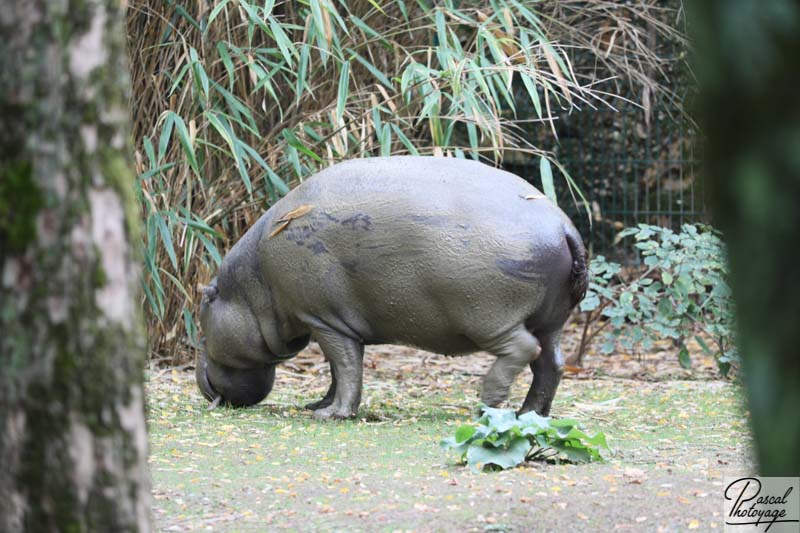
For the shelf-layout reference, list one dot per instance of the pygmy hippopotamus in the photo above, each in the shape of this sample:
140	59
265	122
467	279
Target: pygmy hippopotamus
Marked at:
447	255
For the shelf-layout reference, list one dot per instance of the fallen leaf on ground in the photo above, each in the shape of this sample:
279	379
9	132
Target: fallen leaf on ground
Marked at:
634	475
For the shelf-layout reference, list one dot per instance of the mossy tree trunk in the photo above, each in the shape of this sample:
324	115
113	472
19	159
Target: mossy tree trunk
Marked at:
747	64
73	441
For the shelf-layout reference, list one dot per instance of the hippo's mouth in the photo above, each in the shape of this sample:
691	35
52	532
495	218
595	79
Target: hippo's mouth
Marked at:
205	386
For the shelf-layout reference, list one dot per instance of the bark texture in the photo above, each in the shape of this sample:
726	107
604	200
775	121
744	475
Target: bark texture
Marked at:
747	63
73	442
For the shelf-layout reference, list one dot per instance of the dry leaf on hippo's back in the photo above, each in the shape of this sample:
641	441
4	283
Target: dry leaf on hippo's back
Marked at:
296	213
284	221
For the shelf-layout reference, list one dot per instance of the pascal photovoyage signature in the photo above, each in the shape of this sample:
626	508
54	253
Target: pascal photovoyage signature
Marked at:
751	507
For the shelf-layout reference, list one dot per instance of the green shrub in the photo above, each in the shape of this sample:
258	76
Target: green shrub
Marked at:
500	439
682	291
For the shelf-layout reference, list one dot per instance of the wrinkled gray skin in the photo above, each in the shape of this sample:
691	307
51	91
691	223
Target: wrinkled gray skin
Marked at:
443	254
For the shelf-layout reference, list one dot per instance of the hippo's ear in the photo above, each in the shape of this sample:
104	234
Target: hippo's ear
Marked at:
211	293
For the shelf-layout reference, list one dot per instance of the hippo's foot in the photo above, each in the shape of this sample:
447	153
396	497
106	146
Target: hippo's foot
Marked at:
541	411
329	396
495	399
319	404
333	412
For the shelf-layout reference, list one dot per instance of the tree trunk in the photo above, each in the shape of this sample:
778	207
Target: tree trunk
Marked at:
747	64
73	442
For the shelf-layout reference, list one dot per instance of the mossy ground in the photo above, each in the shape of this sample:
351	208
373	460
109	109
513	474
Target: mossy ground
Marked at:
273	467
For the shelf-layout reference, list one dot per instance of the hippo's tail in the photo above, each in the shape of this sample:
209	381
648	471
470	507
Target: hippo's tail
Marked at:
579	274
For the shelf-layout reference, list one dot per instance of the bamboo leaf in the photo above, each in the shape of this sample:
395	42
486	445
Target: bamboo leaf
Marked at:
254	18
222	50
377	122
301	85
405	140
199	74
149	151
330	7
193	221
294	142
152	172
546	173
277	181
154	307
177	284
186	142
380	76
294	159
320	29
403	9
187	17
386	141
223	127
179	78
574	189
367	29
341	97
210	248
377	6
472	132
430	107
285	45
188	322
556	66
214	12
238	109
166	133
166	238
533	92
441	29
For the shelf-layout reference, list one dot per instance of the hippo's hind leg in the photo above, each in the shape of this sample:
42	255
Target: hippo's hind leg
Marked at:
346	356
547	371
328	398
514	350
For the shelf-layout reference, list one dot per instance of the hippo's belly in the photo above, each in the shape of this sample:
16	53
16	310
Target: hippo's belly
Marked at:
434	281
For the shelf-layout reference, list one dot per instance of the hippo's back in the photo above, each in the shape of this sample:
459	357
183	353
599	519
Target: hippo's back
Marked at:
433	252
434	185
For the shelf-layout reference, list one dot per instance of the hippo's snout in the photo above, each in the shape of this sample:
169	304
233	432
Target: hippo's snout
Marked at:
201	376
237	387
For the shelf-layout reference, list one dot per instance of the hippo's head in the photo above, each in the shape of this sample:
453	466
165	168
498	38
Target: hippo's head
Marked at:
235	366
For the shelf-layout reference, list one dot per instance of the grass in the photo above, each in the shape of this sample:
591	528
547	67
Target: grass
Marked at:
272	466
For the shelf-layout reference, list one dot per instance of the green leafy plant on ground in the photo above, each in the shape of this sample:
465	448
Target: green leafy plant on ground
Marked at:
500	439
680	292
235	101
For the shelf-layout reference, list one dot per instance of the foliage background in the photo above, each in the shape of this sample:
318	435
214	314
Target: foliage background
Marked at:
234	102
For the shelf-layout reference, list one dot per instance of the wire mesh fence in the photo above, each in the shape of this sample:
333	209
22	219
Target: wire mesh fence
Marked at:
631	168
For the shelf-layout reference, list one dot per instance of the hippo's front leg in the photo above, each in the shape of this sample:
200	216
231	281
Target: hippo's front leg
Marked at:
328	398
347	366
